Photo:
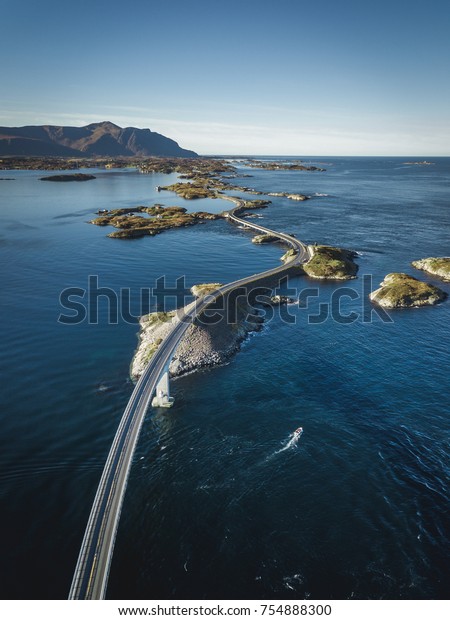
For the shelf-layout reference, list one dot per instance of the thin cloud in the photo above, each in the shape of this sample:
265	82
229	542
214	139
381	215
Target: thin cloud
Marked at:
325	138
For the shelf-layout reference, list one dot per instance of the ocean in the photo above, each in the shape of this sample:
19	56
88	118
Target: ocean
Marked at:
220	503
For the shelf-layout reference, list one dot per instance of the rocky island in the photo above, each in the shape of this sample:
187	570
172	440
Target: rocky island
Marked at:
300	197
282	165
157	220
328	263
265	238
435	266
190	191
399	290
64	178
186	166
204	345
201	290
289	255
277	300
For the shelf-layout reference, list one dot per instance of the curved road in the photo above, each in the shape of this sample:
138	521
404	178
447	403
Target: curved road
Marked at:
92	569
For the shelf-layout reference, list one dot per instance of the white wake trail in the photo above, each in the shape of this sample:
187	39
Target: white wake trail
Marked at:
292	441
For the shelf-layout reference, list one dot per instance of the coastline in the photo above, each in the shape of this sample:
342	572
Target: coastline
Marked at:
205	346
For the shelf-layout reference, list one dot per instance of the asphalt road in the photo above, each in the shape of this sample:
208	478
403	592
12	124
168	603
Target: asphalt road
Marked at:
91	573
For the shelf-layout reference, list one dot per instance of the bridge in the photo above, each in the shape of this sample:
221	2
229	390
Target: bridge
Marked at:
92	569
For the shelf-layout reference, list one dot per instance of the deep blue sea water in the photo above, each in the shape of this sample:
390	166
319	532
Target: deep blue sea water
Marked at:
215	507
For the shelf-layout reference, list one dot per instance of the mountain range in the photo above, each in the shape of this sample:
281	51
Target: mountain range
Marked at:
103	139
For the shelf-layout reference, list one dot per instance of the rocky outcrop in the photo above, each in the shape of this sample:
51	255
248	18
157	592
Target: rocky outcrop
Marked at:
64	178
297	197
289	255
399	290
132	226
192	191
287	195
328	263
201	290
281	165
435	266
277	300
154	328
265	238
204	215
204	345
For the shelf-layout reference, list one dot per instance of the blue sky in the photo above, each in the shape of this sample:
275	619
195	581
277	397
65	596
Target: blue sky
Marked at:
252	77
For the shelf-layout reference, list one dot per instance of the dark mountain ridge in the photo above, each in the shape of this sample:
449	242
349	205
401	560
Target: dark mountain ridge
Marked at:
94	140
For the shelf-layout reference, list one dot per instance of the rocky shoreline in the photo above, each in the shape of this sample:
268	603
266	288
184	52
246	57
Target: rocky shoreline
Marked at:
399	290
272	165
208	345
328	263
150	221
299	197
265	238
66	178
435	266
204	345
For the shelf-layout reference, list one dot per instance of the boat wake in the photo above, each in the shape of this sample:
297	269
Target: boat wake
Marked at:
291	442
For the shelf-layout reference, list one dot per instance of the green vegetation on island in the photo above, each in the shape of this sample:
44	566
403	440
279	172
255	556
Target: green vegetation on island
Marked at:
331	263
190	191
64	178
187	167
154	328
399	290
203	184
256	204
157	220
435	266
157	317
282	165
289	255
265	238
201	290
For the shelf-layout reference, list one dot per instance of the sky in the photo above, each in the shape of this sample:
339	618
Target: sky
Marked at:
286	77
